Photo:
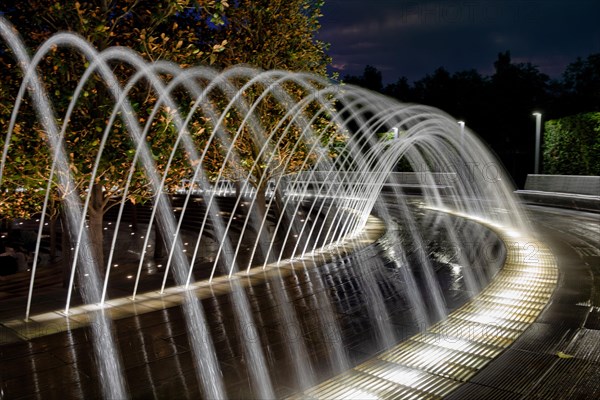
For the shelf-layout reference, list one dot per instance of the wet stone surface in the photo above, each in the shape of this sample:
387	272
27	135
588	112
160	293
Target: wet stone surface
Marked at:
557	357
351	305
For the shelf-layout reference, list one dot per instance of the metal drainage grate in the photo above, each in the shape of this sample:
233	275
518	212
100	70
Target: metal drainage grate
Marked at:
435	363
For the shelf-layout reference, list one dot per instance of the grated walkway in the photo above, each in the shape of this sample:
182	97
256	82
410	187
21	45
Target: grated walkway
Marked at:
435	363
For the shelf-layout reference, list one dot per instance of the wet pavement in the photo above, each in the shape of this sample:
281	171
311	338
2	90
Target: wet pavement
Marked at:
332	307
558	357
158	360
438	361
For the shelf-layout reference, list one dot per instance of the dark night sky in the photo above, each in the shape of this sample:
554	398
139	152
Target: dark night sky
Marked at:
412	38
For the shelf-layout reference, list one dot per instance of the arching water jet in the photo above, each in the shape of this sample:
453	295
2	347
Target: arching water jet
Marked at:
326	151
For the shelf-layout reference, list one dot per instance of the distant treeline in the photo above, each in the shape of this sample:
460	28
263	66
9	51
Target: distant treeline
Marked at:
499	107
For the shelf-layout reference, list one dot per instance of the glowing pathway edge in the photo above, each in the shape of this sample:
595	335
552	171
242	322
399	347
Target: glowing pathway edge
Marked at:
434	363
57	321
430	364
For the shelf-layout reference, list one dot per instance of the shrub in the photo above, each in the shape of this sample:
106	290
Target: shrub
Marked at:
572	145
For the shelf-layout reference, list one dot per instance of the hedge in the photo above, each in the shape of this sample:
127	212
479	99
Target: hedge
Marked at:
572	145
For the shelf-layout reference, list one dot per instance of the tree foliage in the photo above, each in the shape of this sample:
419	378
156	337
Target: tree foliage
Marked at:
581	85
572	145
272	34
499	106
269	35
370	79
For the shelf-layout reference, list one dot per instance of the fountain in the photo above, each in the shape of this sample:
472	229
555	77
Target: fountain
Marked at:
315	187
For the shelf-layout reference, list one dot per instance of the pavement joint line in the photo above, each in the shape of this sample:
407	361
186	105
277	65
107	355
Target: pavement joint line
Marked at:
123	307
450	360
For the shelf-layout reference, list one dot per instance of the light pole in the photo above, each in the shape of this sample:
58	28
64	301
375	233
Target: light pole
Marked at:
538	139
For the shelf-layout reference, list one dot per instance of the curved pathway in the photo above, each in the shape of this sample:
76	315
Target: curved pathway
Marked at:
440	360
558	357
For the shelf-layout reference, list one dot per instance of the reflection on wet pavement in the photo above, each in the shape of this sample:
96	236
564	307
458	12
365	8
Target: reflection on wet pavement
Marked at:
156	352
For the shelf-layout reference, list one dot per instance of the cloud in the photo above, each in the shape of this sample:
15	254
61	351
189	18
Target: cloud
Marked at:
401	16
413	37
338	66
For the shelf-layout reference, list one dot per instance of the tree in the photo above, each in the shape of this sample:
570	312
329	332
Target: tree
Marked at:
269	35
273	34
517	91
436	89
400	90
278	35
103	25
499	107
371	79
581	81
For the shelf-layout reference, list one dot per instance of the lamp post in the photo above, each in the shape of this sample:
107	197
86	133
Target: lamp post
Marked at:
538	139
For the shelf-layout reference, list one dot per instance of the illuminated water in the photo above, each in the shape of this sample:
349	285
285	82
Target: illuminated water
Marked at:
351	141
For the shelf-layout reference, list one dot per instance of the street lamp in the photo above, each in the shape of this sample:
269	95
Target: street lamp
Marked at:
538	139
